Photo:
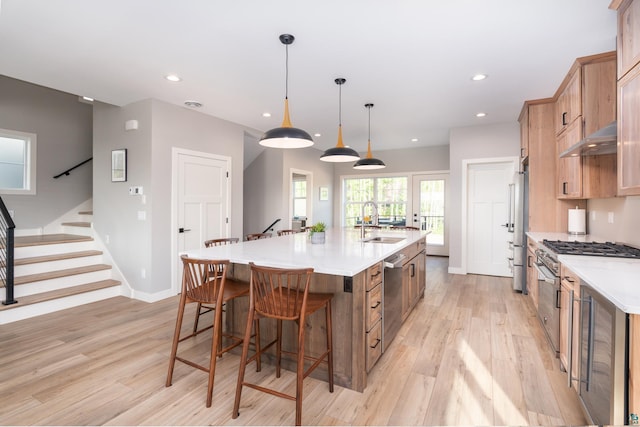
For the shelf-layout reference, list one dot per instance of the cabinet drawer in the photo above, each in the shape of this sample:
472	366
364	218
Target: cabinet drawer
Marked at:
374	276
569	279
373	307
374	346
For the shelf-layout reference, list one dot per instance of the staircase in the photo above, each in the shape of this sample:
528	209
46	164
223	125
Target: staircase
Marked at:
57	271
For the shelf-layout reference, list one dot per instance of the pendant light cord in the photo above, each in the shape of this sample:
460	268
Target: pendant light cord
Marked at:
340	104
369	136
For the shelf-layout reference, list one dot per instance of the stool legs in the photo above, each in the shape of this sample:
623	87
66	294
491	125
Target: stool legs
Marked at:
243	361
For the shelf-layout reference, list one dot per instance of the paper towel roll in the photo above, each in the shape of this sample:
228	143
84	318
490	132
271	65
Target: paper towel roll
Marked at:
577	221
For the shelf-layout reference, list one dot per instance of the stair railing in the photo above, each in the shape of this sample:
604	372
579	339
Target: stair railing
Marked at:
6	252
68	171
271	226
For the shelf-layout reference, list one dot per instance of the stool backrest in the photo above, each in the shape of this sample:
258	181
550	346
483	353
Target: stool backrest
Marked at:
220	242
286	232
203	280
279	293
256	236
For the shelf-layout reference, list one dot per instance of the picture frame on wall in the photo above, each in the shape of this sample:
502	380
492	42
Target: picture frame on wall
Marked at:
324	193
119	165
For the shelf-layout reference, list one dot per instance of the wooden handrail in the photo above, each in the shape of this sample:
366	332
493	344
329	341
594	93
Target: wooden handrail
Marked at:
66	173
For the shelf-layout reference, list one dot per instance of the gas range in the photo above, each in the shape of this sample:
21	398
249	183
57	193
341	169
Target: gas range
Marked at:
606	249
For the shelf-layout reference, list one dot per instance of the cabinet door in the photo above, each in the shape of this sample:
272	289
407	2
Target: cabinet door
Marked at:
569	104
565	302
628	37
569	169
421	262
629	134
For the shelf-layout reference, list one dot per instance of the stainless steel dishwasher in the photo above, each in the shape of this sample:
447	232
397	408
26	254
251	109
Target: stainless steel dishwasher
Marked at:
392	298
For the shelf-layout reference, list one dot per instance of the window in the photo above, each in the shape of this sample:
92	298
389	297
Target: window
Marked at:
299	196
17	162
389	193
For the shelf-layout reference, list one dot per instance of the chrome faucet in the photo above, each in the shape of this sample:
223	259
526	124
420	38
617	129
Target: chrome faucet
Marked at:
375	216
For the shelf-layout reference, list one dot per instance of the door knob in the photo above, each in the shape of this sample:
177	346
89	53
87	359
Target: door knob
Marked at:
182	229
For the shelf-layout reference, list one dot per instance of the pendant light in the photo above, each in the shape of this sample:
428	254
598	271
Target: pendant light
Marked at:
369	162
286	136
340	153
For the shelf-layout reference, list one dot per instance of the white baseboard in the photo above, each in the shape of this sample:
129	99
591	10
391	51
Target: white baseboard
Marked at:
456	270
154	297
27	232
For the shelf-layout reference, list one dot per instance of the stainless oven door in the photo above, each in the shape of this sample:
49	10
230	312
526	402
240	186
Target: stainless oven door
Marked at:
549	304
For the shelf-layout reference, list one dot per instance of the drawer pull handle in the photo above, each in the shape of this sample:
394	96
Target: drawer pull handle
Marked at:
376	344
377	304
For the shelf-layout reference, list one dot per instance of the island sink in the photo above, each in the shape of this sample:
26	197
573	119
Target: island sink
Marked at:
382	239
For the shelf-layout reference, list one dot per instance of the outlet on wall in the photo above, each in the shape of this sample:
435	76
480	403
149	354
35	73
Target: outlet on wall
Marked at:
143	273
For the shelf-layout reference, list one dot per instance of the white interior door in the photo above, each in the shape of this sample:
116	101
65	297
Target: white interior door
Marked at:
487	210
202	200
430	210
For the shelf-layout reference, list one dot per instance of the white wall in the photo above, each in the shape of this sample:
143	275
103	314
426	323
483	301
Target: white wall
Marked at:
63	126
473	142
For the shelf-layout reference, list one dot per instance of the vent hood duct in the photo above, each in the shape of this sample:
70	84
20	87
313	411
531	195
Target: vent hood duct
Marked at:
602	141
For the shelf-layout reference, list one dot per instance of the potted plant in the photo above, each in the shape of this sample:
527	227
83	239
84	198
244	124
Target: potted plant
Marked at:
317	232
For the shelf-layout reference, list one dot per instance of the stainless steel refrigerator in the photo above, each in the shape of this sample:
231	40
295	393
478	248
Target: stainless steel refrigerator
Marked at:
517	225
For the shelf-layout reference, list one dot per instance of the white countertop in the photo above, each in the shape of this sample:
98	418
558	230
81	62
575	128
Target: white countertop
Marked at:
617	279
342	254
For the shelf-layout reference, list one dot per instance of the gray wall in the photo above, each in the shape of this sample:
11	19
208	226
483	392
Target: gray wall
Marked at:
266	187
64	138
626	211
473	142
137	244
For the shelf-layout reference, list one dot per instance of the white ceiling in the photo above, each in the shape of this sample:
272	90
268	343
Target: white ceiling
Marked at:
412	58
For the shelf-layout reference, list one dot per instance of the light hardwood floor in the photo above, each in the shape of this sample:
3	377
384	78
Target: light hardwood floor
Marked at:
471	353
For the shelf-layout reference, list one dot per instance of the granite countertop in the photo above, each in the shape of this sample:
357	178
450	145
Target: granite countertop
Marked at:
615	278
342	254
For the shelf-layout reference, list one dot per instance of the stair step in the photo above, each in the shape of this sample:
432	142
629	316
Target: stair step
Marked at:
77	224
56	257
85	213
30	278
60	293
49	239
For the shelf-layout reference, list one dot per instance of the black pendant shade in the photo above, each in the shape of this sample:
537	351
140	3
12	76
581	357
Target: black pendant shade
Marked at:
340	153
286	136
369	162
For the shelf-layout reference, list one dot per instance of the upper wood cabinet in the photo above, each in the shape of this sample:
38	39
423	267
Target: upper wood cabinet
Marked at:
628	35
628	97
569	103
586	102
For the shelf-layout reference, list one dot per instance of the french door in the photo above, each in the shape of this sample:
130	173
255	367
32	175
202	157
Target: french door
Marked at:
430	210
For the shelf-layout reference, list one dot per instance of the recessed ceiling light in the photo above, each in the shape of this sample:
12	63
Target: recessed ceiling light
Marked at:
172	78
478	77
414	139
592	145
266	114
193	104
481	114
317	134
86	98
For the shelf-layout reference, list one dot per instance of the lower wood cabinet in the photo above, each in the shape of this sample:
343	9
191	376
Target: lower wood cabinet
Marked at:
373	315
413	282
570	323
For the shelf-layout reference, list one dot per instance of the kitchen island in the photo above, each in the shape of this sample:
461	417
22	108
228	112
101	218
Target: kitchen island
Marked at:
347	266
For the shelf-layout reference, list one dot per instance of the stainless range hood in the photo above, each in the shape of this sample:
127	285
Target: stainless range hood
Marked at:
602	141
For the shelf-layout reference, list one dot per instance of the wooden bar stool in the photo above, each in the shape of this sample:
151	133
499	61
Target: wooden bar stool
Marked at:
283	294
257	236
206	309
286	232
205	282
